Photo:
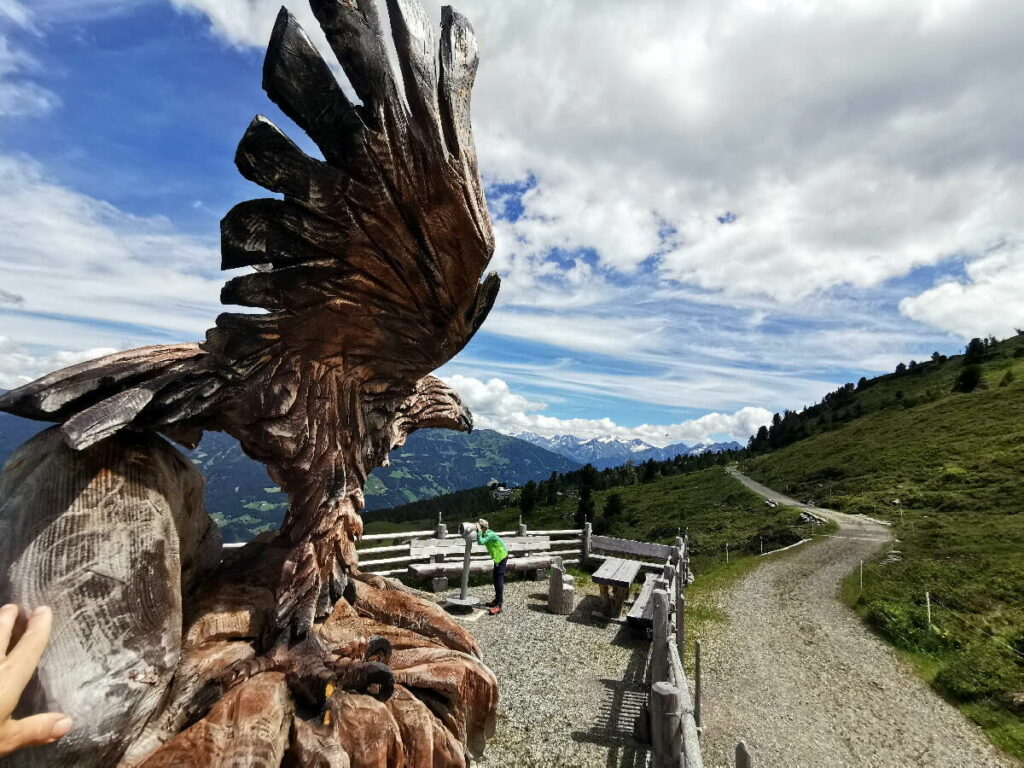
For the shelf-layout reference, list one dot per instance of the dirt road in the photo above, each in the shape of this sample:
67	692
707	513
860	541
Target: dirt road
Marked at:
796	675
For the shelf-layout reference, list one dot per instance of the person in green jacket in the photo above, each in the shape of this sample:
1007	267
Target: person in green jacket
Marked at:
499	554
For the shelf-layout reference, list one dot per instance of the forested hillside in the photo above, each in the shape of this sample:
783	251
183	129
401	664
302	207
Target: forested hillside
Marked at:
244	501
938	449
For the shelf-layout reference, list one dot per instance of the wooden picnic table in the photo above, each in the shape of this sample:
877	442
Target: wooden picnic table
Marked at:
618	575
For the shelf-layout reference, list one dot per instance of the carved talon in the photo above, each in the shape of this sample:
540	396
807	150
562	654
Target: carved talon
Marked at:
243	670
377	649
365	676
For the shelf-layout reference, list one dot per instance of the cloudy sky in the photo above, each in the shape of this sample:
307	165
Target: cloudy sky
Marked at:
707	210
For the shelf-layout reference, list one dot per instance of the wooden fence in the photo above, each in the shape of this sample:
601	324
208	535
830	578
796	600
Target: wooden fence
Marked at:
673	720
674	716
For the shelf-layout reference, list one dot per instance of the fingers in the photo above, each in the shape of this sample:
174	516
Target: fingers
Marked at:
33	731
17	669
8	615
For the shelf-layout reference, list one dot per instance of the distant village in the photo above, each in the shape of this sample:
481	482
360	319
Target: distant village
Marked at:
508	491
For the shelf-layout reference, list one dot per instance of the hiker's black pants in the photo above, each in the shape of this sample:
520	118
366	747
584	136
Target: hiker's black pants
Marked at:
499	581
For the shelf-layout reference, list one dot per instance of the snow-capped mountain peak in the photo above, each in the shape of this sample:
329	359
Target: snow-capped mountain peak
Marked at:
609	451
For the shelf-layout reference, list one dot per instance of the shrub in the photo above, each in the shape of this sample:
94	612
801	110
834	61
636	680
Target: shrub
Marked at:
1007	379
968	380
905	626
976	672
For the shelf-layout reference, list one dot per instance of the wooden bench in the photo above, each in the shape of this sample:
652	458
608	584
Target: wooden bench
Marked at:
618	575
526	555
641	615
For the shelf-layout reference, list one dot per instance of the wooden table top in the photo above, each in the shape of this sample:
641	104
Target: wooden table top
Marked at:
616	572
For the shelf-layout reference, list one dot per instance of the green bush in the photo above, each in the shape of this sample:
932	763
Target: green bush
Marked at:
978	671
969	379
905	626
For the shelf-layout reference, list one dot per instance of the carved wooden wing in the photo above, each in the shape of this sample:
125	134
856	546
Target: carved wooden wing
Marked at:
372	260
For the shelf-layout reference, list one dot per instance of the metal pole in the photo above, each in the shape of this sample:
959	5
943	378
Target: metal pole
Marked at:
928	604
727	552
465	570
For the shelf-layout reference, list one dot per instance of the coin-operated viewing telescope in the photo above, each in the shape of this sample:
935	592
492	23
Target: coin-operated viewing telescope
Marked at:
464	599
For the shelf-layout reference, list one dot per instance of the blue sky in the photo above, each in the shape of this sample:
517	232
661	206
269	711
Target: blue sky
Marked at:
705	212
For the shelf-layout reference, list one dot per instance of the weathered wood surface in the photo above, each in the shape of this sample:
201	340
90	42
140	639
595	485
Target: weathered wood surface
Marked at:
743	756
561	589
515	564
666	728
248	727
514	545
369	270
641	615
105	536
630	547
616	573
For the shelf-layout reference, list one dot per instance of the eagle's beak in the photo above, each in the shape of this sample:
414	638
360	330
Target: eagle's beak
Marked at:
465	419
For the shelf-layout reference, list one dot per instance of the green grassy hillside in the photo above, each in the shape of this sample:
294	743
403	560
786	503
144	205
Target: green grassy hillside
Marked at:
947	468
709	505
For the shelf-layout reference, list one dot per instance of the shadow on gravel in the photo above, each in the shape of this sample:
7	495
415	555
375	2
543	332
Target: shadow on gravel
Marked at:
622	701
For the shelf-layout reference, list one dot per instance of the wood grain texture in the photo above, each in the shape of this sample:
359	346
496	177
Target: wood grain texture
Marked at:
458	688
248	728
415	614
194	689
369	270
561	589
369	267
105	537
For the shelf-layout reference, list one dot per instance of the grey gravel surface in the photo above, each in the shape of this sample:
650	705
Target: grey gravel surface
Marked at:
796	675
570	686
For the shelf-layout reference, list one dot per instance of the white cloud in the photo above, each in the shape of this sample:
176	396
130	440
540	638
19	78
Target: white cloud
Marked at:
989	302
18	365
70	256
495	406
19	96
852	140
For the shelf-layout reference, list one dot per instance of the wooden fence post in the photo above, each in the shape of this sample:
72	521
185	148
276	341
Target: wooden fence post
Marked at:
696	686
659	644
522	527
585	559
666	725
681	623
743	756
437	583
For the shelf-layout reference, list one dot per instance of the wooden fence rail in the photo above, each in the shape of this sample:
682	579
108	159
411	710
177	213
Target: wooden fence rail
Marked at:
674	725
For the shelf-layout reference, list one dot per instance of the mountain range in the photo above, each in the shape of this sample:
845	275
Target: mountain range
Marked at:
244	501
604	452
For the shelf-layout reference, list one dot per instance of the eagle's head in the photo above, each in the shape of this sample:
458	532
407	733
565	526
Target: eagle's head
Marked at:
436	405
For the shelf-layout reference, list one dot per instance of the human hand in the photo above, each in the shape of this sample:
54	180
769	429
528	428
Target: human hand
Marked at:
21	645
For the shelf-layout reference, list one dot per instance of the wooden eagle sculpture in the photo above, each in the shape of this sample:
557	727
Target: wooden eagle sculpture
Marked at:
368	274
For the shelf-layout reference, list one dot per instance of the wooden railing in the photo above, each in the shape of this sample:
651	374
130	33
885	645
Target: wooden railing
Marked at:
565	543
674	715
392	559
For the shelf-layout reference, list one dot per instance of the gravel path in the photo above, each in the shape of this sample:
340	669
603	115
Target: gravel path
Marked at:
796	675
570	686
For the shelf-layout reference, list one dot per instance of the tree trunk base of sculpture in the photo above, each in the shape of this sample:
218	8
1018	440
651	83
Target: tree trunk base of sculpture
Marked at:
388	679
